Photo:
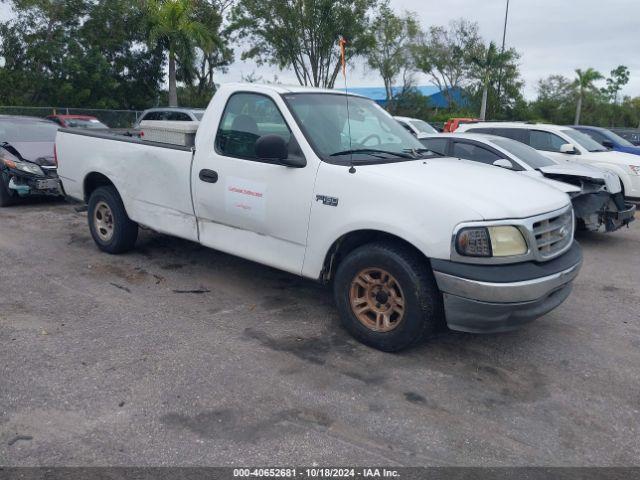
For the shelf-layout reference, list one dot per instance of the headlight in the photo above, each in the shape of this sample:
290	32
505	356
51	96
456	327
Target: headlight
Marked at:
635	169
507	241
499	241
27	167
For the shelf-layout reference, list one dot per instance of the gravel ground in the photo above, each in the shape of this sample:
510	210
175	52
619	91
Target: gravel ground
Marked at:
178	355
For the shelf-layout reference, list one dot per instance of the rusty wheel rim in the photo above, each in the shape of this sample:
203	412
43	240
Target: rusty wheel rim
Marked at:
377	300
103	221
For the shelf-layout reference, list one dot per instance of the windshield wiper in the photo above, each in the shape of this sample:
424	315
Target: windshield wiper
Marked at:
372	152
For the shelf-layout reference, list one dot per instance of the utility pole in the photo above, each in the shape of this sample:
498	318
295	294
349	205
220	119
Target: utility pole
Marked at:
504	32
504	39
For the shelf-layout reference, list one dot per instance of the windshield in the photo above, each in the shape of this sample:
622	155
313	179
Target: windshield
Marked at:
91	123
585	141
373	131
423	127
523	152
22	131
615	138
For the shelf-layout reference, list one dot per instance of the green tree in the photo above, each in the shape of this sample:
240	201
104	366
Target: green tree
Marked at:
392	38
303	34
584	83
219	56
445	54
618	79
489	65
173	24
78	53
556	99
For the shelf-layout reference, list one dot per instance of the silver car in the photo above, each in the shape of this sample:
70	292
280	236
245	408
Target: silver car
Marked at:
596	194
173	114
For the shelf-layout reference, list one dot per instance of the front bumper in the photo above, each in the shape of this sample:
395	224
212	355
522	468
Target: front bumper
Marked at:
24	184
602	210
498	298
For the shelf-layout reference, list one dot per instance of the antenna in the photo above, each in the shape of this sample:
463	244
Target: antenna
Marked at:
343	42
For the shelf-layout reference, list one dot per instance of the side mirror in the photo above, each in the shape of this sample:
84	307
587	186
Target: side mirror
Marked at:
273	148
568	149
503	163
607	144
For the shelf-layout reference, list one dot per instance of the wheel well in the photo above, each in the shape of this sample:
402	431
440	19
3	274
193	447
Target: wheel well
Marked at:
352	240
93	181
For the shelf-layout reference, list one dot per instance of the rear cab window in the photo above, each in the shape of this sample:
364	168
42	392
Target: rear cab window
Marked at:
178	117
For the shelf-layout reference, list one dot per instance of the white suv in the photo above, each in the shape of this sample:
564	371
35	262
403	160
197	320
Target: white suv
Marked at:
564	143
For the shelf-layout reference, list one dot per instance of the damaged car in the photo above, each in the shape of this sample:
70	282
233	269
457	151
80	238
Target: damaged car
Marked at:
28	165
596	194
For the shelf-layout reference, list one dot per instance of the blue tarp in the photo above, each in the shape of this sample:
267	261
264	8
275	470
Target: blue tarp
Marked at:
436	97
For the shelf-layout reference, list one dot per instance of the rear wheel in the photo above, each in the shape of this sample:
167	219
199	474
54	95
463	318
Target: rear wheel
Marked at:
387	296
111	228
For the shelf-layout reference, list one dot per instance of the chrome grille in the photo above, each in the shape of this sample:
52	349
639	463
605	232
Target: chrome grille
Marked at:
553	234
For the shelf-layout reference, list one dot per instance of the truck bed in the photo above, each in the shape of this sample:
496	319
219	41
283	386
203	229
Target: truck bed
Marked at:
154	179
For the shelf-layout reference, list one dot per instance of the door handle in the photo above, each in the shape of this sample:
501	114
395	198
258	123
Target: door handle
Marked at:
208	176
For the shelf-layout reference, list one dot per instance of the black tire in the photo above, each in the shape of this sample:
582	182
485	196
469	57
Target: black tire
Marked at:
124	232
422	312
6	199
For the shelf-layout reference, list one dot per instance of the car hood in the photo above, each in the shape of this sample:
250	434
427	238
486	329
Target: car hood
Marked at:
572	170
559	184
38	152
631	150
620	158
493	193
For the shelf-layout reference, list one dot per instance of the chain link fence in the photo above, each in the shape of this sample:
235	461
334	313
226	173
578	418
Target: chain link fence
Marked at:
112	118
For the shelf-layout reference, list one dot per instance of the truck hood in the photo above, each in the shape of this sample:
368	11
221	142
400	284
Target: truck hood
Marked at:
492	193
575	173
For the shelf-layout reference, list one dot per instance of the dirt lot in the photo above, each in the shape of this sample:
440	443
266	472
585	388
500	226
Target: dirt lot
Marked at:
178	355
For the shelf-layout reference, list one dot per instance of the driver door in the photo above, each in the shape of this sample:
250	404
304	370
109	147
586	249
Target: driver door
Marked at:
248	206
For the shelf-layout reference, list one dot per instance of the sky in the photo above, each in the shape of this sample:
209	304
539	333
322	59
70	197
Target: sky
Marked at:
553	37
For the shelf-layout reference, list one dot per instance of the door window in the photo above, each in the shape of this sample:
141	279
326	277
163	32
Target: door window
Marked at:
476	153
597	136
545	141
247	117
437	145
518	134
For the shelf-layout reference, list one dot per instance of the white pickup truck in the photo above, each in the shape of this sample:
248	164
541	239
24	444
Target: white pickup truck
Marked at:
331	187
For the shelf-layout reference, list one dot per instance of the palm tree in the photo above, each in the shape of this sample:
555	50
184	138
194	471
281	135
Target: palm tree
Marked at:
487	62
584	82
173	23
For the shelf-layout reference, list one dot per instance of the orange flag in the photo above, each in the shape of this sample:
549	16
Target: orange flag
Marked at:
343	42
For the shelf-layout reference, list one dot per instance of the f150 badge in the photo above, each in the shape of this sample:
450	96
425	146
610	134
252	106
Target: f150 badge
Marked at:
331	201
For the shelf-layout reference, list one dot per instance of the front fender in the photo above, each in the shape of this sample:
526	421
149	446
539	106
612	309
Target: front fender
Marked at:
623	175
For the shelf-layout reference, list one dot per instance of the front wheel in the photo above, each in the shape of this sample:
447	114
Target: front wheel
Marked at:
111	228
6	198
387	296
